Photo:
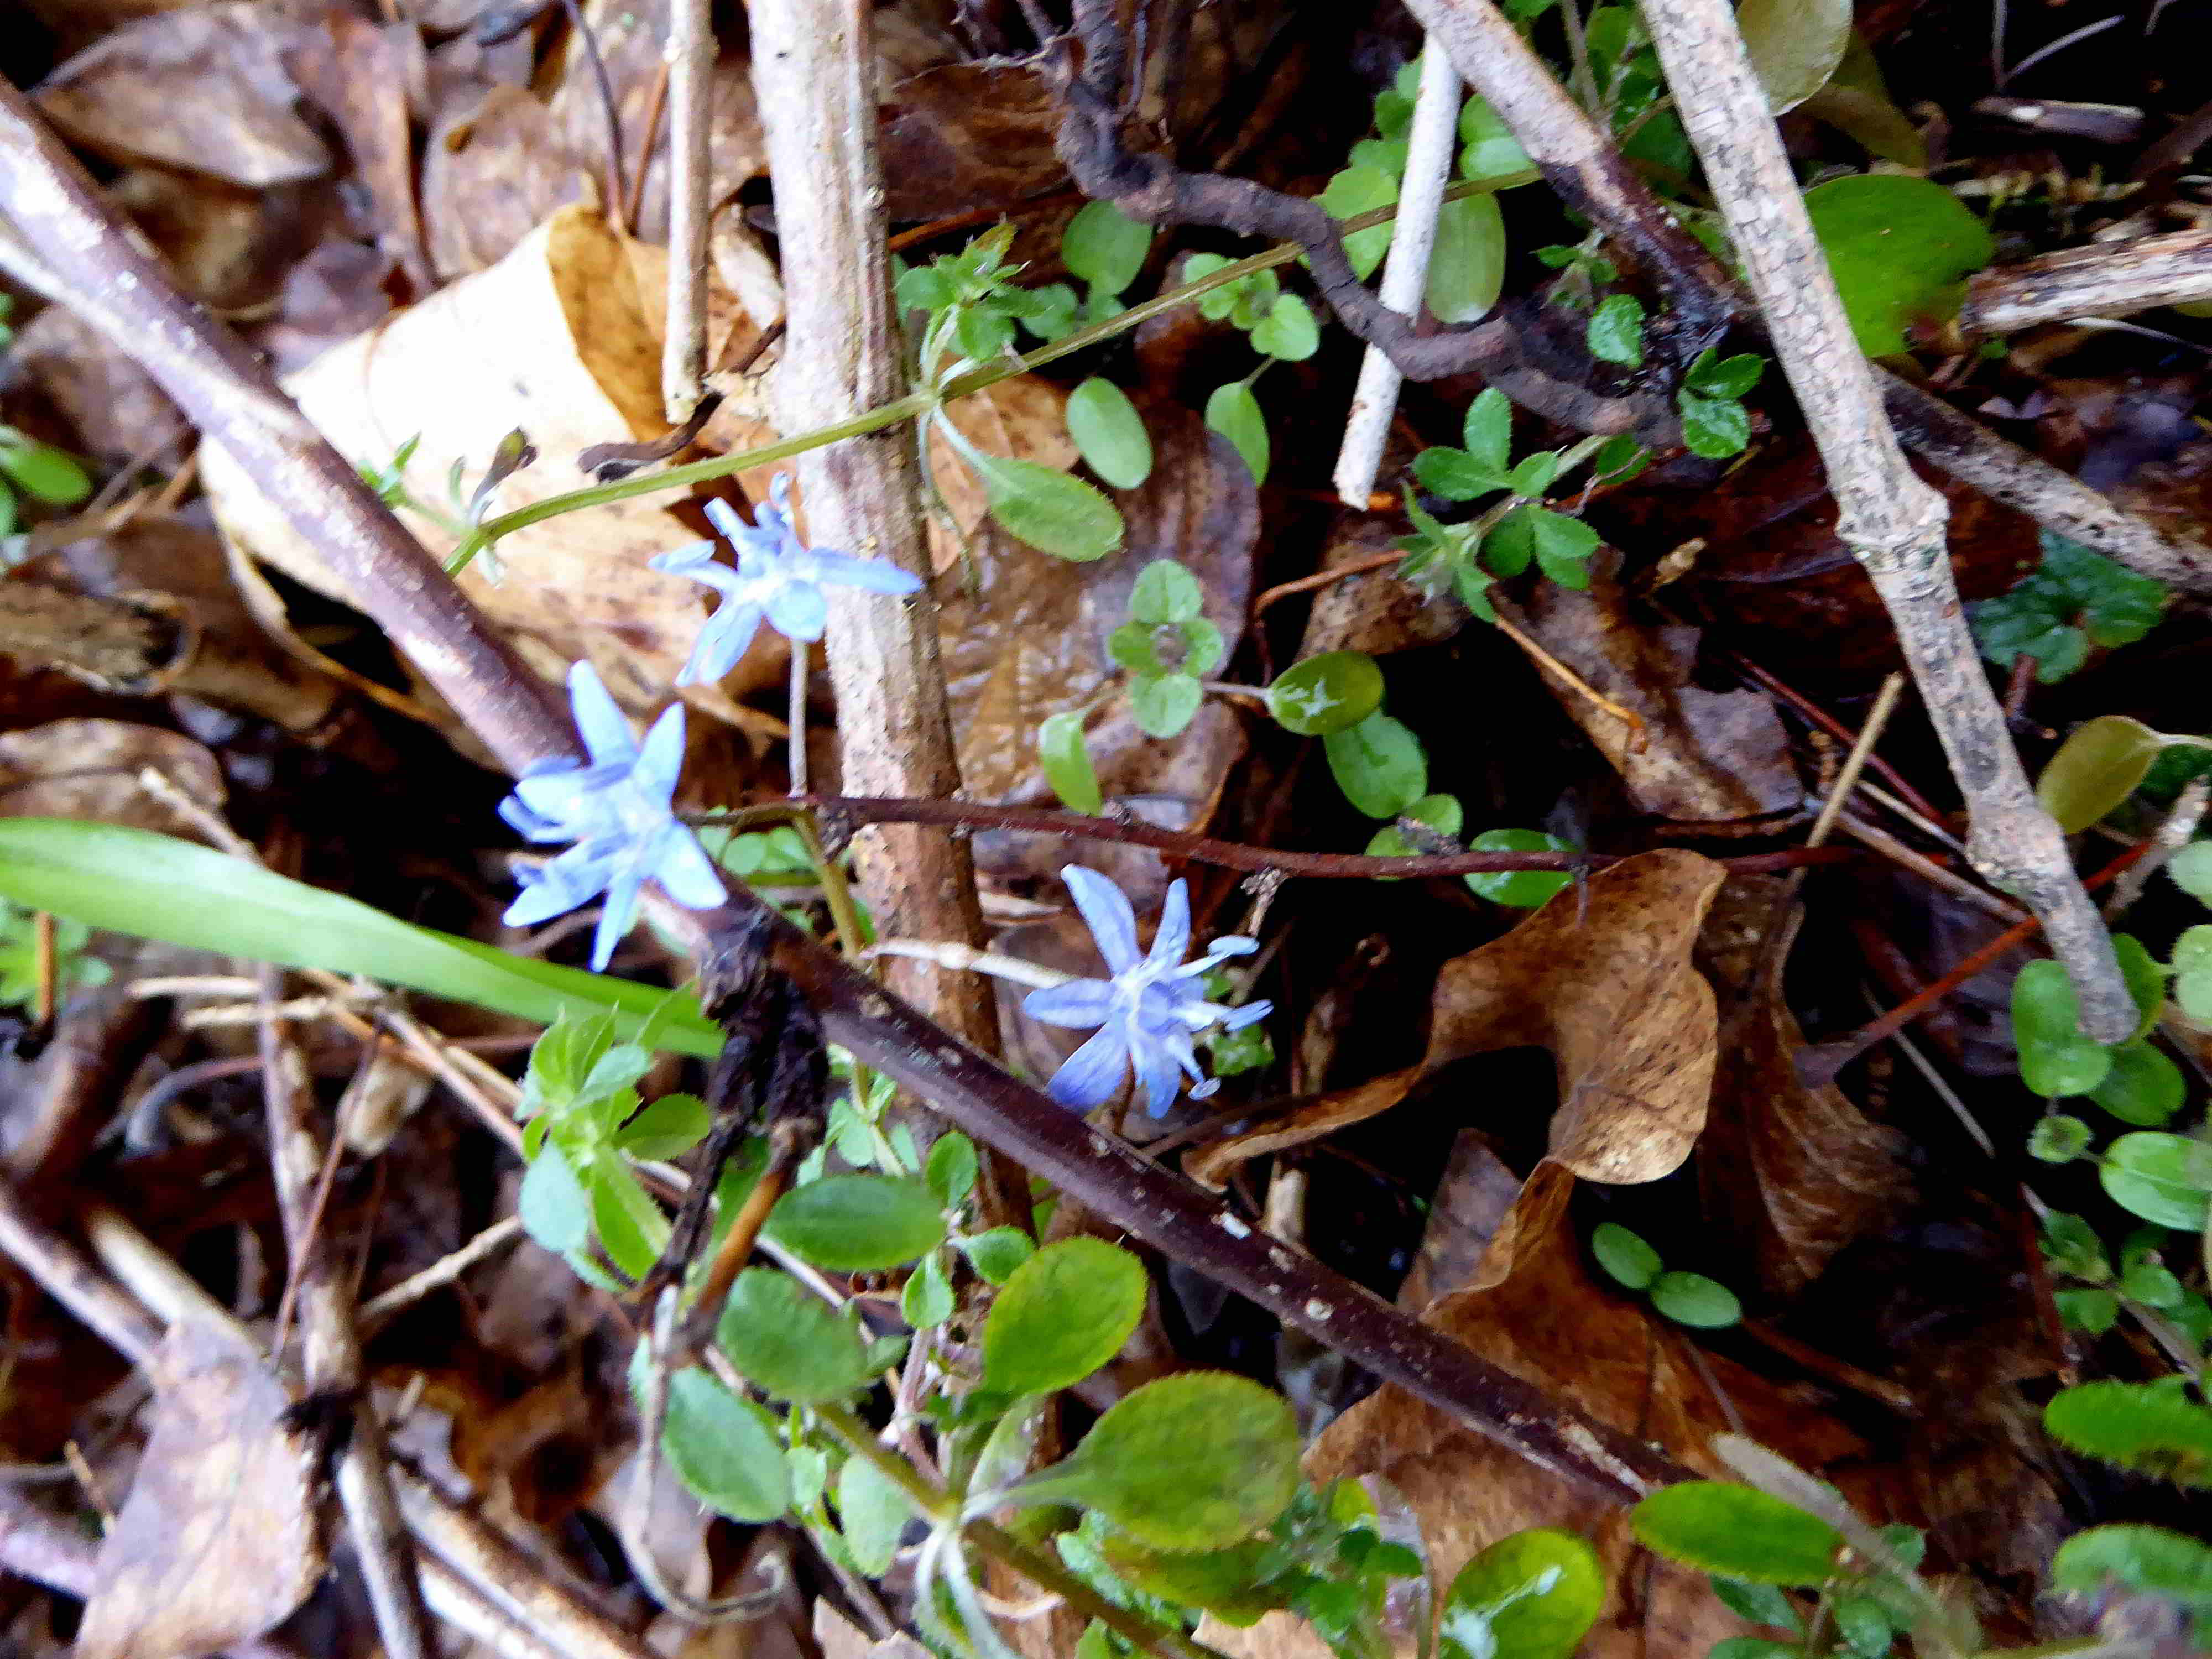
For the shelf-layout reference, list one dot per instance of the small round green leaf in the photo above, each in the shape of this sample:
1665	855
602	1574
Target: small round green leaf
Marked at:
1525	888
1624	1256
1616	330
1359	188
1064	1313
1467	271
1762	1604
1163	704
789	1341
1194	1462
1898	247
1047	508
553	1205
2059	1138
1109	433
45	473
858	1223
1165	591
1715	428
1235	413
1379	764
2056	1060
2165	1178
1739	1531
1326	693
2143	1088
1104	247
2137	1425
2096	768
2151	1560
951	1170
1532	1595
669	1127
1490	150
1796	45
724	1450
997	1252
872	1512
1693	1299
2092	1311
927	1299
1067	762
1288	332
2190	870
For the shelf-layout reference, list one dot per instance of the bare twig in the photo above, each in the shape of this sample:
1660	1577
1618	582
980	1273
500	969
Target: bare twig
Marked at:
2173	833
2105	279
1238	855
332	1358
1892	521
813	68
689	55
380	1310
1430	148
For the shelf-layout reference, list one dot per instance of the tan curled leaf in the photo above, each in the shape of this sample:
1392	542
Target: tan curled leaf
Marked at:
218	1540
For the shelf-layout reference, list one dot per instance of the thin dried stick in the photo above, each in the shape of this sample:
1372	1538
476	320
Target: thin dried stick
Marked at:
690	59
380	1310
331	1358
1893	522
814	70
1430	148
2105	279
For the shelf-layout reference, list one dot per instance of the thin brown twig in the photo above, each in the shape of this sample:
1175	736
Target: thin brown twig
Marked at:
689	58
1238	855
655	101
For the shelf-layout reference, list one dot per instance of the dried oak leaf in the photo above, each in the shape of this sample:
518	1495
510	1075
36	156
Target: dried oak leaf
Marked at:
1608	1356
1608	986
1699	755
1798	1172
204	89
90	768
219	1540
1024	635
494	170
970	135
557	339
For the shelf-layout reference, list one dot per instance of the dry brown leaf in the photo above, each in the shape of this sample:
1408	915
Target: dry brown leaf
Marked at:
1607	985
1799	1172
1606	1355
102	404
1373	611
494	170
229	246
963	136
204	89
1028	638
218	1541
359	75
558	341
1704	756
1025	417
90	768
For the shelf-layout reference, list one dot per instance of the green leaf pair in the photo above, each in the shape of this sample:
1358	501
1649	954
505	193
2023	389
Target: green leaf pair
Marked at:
1686	1299
2074	600
1168	646
1526	890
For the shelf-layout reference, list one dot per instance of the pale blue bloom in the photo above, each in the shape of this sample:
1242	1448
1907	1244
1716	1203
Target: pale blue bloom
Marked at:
778	577
616	810
1149	1011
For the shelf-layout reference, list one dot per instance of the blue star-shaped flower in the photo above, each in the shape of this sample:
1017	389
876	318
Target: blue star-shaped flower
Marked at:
1149	1011
778	577
616	810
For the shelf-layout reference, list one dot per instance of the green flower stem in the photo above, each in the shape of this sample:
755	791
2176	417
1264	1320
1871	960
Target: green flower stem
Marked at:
919	403
942	1507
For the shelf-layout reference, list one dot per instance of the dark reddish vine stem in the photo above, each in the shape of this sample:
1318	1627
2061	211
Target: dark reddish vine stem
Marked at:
850	811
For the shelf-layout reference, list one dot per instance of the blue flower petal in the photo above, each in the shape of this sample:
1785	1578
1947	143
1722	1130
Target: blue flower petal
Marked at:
692	559
1172	938
602	726
877	575
1090	1076
661	757
1250	1014
686	874
1106	912
1158	1076
798	611
1079	1004
721	643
